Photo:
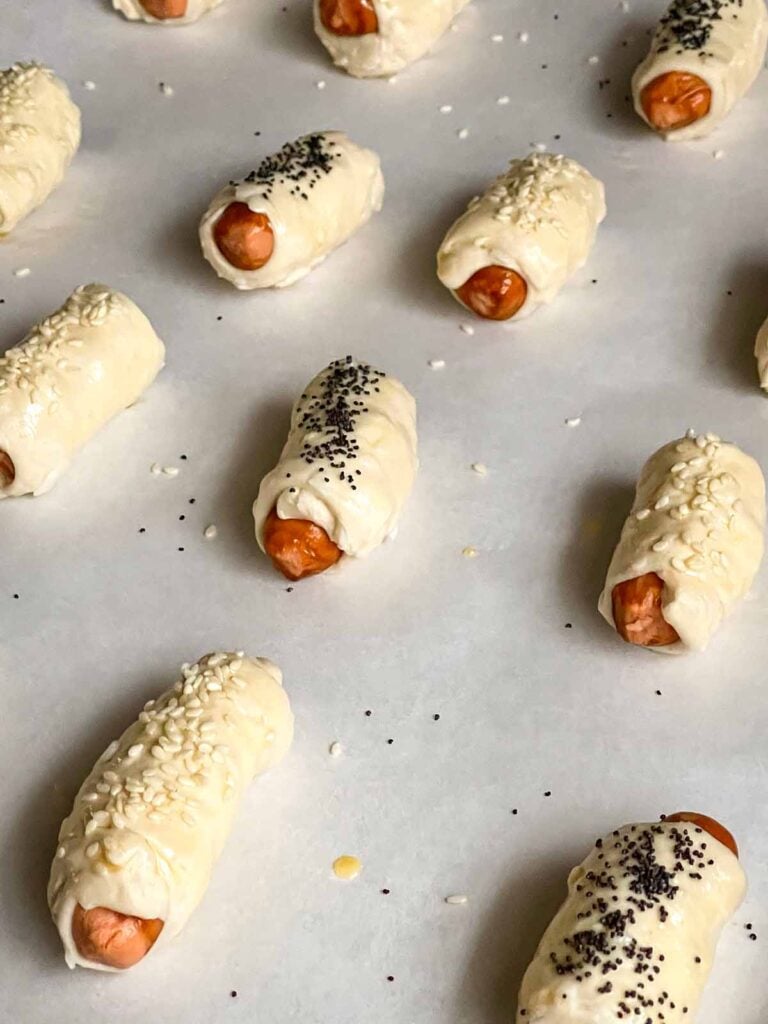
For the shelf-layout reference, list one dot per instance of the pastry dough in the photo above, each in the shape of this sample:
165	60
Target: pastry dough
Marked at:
697	521
761	354
407	30
723	42
153	816
350	459
39	135
316	191
134	10
538	219
636	935
72	373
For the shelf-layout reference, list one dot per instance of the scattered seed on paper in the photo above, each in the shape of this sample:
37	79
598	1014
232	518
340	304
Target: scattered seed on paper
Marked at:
320	84
480	468
22	272
523	37
165	89
573	421
462	133
503	101
347	867
457	901
436	364
497	38
335	749
594	59
718	154
210	532
89	85
467	329
469	552
446	108
155	469
171	470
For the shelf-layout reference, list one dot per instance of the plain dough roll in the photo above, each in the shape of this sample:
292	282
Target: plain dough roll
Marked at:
67	378
761	354
39	135
350	459
134	10
538	219
154	814
697	521
640	923
407	30
316	191
723	42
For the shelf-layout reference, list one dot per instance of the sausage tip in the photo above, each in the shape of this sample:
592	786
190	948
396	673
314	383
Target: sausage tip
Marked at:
297	547
112	939
349	17
494	292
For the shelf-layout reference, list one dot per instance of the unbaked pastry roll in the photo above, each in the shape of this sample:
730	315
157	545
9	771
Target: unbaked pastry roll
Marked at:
520	241
691	546
136	853
344	474
66	379
636	936
165	12
39	135
371	38
704	57
284	218
761	354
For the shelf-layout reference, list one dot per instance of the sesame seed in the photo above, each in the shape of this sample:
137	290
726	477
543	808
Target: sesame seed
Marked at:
446	108
503	101
165	89
436	364
523	37
497	38
320	85
480	468
210	532
467	329
457	900
573	421
469	551
22	272
335	749
462	133
89	85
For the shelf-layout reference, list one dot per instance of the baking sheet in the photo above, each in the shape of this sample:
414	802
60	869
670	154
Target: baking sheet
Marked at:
534	692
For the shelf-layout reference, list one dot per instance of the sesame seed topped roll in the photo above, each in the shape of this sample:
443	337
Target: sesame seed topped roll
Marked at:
520	241
704	57
71	374
165	12
761	354
136	853
381	37
636	936
39	135
690	547
285	217
345	472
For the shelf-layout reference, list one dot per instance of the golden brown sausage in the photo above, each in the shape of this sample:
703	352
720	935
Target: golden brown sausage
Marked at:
349	17
675	100
297	547
112	939
494	293
165	9
715	829
637	612
244	238
7	470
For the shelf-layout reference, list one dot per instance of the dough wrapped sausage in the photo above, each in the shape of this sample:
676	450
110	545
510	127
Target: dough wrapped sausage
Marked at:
284	218
635	938
346	469
66	379
696	525
39	135
386	36
704	57
152	818
536	222
761	354
165	12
